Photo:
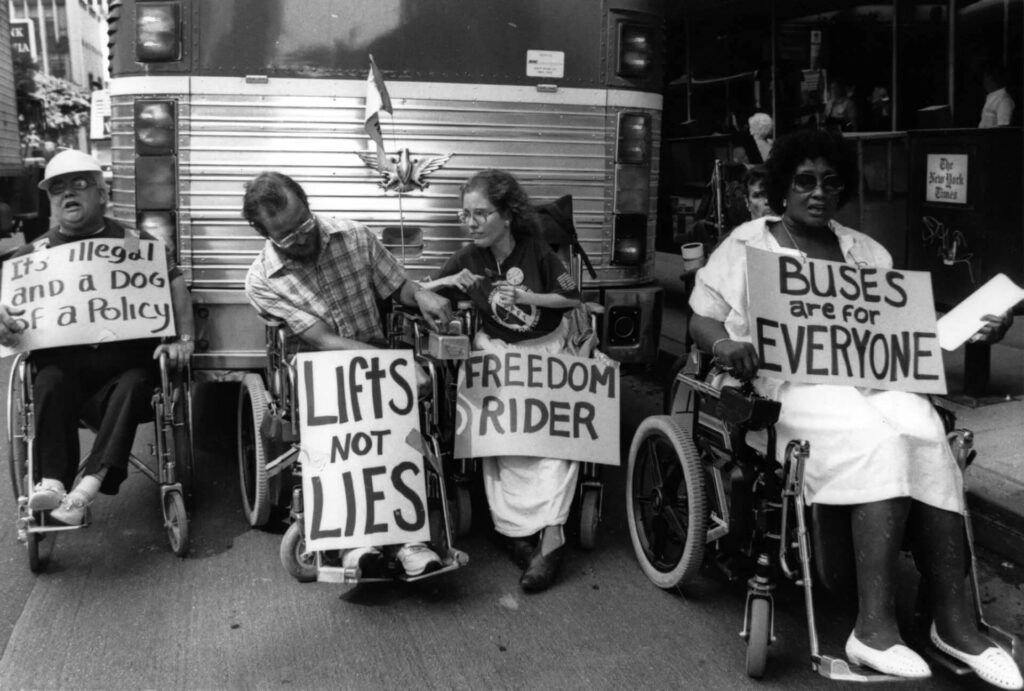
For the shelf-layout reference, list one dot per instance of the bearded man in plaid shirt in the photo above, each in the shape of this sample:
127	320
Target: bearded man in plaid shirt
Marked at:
323	278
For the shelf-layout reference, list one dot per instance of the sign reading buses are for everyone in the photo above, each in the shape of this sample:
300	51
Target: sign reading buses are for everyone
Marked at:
90	291
826	322
362	470
522	403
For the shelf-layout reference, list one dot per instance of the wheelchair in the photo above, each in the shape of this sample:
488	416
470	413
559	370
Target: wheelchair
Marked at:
171	466
589	495
270	472
706	486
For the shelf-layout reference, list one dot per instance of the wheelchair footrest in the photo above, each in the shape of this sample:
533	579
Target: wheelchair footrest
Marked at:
840	670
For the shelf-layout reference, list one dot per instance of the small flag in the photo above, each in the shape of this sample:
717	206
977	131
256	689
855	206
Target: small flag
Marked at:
377	99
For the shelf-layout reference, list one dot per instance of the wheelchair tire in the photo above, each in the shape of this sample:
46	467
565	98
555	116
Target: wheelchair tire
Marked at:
590	517
300	565
463	511
17	444
40	548
252	455
184	445
759	626
666	502
176	522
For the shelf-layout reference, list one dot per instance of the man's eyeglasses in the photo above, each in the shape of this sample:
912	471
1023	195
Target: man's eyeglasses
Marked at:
78	184
296	235
805	183
479	215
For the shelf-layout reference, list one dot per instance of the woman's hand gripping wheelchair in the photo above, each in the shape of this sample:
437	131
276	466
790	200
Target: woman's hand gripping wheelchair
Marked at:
268	445
704	483
171	468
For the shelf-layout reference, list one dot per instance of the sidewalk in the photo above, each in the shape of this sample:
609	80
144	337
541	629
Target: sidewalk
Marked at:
995	481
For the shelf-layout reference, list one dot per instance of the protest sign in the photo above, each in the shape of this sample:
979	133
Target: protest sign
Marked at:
824	322
537	404
90	291
362	470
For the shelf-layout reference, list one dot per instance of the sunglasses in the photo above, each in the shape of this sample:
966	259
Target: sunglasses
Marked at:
295	235
805	183
78	184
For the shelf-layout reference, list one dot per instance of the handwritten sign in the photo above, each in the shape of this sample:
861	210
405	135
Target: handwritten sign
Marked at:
536	404
362	468
90	291
825	322
947	178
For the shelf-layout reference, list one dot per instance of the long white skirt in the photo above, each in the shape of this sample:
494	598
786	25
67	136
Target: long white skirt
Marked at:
526	493
868	445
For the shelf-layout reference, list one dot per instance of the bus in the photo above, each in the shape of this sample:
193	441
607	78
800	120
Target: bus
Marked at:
567	95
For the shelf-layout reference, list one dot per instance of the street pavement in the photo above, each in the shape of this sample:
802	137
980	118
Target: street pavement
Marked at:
117	610
995	481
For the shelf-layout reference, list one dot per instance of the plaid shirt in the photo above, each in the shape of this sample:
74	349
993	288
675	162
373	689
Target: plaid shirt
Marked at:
340	287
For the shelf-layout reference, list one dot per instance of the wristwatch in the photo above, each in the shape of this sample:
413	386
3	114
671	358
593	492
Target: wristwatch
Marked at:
185	338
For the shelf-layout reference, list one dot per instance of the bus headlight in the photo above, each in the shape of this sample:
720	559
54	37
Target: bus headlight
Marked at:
634	138
160	224
636	51
158	32
154	127
154	183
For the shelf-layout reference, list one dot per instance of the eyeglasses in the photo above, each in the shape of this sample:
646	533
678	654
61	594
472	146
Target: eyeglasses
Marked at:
295	235
78	184
805	183
481	216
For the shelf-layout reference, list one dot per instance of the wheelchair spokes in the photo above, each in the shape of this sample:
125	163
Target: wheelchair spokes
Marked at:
668	502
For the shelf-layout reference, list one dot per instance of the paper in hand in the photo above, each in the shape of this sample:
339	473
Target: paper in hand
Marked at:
963	321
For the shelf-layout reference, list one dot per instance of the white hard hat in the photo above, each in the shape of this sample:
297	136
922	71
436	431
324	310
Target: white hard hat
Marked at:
70	161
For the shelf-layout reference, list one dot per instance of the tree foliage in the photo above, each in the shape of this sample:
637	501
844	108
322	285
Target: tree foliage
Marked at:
64	104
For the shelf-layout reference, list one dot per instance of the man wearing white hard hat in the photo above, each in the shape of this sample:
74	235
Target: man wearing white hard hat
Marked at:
109	383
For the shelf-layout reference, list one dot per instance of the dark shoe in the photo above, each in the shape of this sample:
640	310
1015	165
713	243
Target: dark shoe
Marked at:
541	571
522	550
368	560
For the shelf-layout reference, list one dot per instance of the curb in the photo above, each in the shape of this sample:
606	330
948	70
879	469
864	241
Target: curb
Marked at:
995	528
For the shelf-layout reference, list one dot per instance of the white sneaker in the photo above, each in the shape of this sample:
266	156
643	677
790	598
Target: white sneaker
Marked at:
46	495
418	559
368	560
71	510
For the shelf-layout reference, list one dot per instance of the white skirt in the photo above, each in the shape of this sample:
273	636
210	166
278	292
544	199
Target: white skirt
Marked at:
526	493
868	445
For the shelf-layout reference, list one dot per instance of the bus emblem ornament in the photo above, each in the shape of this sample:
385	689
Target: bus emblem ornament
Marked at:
403	173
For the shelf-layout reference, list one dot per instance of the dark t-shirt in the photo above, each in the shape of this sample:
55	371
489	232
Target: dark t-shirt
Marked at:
532	266
112	230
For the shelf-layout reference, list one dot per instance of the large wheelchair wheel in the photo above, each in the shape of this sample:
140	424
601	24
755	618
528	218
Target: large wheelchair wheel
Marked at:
17	443
666	502
294	558
184	449
252	454
759	625
176	522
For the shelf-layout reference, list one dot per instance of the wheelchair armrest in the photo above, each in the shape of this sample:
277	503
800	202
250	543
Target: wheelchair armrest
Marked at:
739	408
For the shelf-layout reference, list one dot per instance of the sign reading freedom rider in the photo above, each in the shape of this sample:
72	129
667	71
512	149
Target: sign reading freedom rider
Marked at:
824	322
362	465
522	403
90	291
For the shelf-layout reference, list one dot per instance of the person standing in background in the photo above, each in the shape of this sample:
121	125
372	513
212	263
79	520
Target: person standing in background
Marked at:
999	105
